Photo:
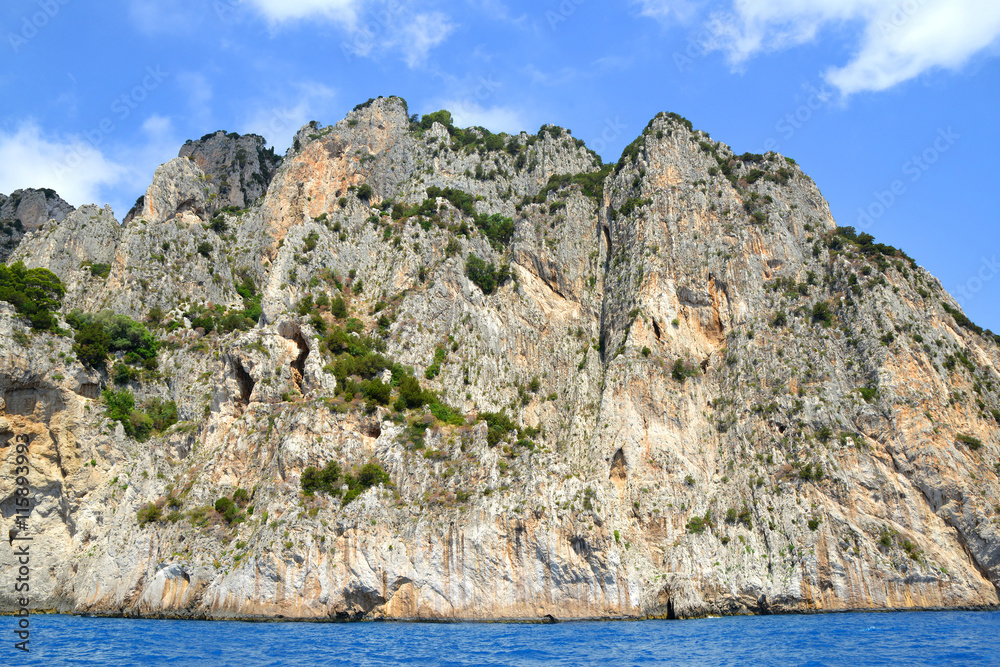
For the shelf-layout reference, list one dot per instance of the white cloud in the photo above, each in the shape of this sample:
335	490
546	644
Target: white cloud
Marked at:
85	169
900	39
681	10
70	165
164	16
411	35
394	27
341	11
421	34
467	113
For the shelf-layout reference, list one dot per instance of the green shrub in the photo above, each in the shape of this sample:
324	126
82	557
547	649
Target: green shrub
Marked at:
91	345
821	313
205	249
447	414
162	413
123	374
499	425
140	425
149	513
34	293
338	308
218	224
698	524
100	270
375	390
119	405
105	332
868	393
682	370
364	192
814	524
497	228
973	443
324	480
440	354
228	509
486	276
329	480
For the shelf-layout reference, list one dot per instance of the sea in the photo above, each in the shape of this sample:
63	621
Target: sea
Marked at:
900	638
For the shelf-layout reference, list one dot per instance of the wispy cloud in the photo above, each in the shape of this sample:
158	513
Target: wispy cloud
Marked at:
280	116
80	171
341	11
674	10
897	40
467	113
421	34
69	164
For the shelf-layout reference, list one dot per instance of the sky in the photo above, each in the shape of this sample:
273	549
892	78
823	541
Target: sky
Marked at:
890	105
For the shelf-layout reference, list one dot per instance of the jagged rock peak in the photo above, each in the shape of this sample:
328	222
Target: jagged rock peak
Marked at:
236	168
25	211
240	165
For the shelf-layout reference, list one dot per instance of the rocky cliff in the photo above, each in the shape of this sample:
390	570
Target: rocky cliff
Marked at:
25	211
667	387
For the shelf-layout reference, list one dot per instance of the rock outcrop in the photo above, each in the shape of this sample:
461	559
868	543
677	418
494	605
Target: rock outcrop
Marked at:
25	211
720	402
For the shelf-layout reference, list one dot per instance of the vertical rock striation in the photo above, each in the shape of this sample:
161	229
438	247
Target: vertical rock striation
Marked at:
719	402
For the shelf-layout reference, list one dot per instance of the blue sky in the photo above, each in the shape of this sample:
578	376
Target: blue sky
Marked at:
890	105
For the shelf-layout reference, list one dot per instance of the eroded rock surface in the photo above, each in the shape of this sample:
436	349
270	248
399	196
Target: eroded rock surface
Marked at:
737	411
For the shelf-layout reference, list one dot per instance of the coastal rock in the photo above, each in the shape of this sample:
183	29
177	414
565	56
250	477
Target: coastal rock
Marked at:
721	402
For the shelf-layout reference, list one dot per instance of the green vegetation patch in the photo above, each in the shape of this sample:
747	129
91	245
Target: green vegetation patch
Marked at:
34	293
331	480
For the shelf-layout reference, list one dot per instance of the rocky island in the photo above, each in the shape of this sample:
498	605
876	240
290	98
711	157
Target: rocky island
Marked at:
413	371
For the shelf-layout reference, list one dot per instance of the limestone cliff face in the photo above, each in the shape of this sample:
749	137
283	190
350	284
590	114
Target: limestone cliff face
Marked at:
25	211
738	410
232	171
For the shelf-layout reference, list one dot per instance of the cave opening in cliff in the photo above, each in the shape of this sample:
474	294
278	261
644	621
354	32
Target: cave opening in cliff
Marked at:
656	330
299	365
619	472
244	381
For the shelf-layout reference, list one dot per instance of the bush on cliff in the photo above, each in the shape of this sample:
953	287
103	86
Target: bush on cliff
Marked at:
156	415
97	335
330	480
34	293
486	276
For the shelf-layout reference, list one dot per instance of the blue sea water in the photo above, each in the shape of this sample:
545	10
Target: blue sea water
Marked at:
918	638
